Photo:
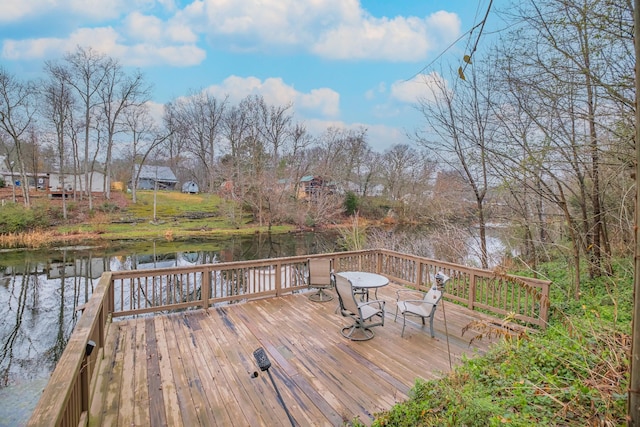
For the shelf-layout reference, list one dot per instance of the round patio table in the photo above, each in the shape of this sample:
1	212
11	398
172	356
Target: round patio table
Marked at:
363	281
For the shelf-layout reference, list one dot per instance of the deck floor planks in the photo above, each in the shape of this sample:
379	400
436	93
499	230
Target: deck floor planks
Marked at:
111	405
290	393
128	378
402	364
194	368
319	396
141	391
232	391
219	401
307	381
203	361
296	400
367	377
216	360
235	359
169	394
148	381
104	370
362	389
188	410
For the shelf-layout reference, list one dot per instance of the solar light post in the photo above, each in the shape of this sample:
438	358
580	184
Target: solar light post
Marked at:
264	364
441	281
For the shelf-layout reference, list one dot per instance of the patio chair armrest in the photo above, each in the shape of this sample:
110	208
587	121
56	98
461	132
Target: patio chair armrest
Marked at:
400	292
380	303
417	301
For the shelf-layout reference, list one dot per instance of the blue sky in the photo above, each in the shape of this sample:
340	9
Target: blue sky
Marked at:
344	63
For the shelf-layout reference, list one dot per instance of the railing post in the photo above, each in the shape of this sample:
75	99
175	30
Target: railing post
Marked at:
84	384
472	291
205	288
544	306
419	276
278	278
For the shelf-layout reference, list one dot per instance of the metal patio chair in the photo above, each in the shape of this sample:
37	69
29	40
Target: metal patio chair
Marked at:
320	278
365	315
424	308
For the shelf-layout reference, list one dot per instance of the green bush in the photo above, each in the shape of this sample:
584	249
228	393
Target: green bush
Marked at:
108	207
374	207
15	218
571	375
351	203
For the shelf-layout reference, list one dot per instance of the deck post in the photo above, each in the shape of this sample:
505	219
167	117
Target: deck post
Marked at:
84	384
204	288
278	278
544	307
472	291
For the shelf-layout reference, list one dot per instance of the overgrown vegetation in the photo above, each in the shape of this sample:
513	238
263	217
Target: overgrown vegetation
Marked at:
574	373
177	216
15	218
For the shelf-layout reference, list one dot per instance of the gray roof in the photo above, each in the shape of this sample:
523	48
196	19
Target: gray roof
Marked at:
160	173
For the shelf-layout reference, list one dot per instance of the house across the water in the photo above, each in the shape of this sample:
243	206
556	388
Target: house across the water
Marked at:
150	176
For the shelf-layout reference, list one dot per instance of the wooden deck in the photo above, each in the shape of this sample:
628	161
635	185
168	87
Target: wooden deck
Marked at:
197	367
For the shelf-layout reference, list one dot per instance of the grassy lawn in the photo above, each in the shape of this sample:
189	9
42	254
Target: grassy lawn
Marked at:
177	216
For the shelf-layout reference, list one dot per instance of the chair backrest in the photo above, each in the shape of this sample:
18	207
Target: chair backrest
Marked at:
344	289
433	296
319	272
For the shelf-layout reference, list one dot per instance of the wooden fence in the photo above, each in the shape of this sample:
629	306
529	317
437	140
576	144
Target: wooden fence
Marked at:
66	399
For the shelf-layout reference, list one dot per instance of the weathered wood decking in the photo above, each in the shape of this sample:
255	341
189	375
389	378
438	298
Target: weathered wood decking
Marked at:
197	367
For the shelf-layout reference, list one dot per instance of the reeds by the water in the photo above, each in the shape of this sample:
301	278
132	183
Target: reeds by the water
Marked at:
31	240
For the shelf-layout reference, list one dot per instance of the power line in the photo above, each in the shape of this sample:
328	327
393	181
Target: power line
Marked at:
481	25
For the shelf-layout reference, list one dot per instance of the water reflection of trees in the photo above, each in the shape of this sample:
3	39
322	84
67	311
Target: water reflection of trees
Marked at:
38	314
41	296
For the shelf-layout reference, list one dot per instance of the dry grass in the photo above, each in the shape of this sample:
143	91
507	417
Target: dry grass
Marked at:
40	239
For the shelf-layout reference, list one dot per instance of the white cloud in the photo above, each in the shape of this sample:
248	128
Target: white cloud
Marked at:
156	111
12	10
382	137
254	23
397	39
371	94
107	41
335	29
379	137
323	101
153	30
421	87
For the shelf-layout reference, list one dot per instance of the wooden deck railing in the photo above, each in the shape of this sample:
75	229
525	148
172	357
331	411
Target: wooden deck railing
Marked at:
66	399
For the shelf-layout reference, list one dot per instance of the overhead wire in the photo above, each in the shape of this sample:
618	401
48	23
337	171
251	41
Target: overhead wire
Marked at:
480	25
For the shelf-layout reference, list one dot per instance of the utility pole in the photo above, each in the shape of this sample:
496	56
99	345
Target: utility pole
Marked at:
634	382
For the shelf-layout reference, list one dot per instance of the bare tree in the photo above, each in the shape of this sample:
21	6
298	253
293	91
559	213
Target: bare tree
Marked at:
197	120
118	93
565	70
459	135
145	137
17	115
87	71
58	110
274	127
406	174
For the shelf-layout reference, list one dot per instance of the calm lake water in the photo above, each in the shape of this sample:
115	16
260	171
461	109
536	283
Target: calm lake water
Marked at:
40	291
